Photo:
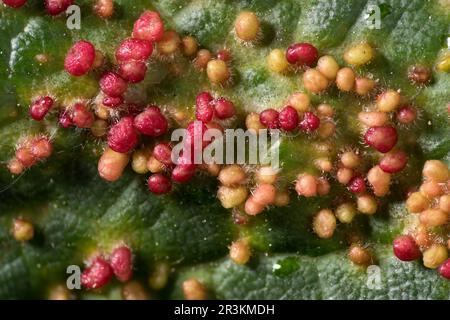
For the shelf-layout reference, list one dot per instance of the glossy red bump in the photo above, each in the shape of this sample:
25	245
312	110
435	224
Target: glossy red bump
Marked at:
65	119
302	54
444	269
204	110
270	118
122	136
80	58
163	153
381	138
406	115
14	3
40	107
406	249
310	122
82	117
113	84
394	162
288	118
97	274
224	108
195	132
133	71
182	173
357	184
224	55
159	184
149	27
134	49
112	102
55	7
151	122
121	261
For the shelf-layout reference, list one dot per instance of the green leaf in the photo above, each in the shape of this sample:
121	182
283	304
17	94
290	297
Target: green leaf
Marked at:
75	213
331	276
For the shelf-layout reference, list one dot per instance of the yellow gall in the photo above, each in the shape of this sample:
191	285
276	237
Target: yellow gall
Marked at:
217	71
189	46
367	204
169	44
112	164
324	224
350	159
417	202
344	175
252	122
139	161
346	212
193	289
325	110
360	255
276	61
247	26
154	166
22	230
299	101
328	66
373	118
314	81
60	293
388	101
266	174
133	290
240	252
345	79
379	180
363	86
359	54
433	217
231	197
444	203
99	128
434	256
282	199
436	170
232	175
159	276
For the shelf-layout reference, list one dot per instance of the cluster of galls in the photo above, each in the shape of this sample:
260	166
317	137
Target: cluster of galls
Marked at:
103	8
247	29
379	134
100	269
298	115
210	113
30	151
249	192
320	73
123	136
53	7
428	236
